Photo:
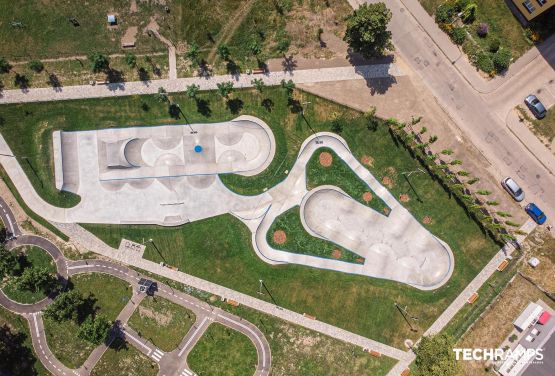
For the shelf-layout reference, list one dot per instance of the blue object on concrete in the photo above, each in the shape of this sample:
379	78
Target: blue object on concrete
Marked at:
198	148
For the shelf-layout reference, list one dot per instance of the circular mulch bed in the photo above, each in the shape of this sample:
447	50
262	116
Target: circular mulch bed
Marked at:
367	196
280	237
427	220
386	211
325	159
404	198
387	182
367	160
391	170
360	260
336	254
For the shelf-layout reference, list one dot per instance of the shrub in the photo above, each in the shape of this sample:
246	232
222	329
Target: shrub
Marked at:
36	65
461	4
482	29
469	13
494	45
502	59
484	63
445	13
4	65
458	35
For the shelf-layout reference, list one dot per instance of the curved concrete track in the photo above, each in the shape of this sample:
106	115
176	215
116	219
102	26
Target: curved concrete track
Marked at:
171	363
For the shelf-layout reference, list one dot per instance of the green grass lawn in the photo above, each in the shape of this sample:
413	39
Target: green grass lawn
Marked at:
228	259
340	175
18	356
29	257
223	351
123	359
107	295
544	129
162	322
300	241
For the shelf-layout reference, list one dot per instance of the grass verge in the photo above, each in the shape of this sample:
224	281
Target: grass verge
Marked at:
162	322
123	359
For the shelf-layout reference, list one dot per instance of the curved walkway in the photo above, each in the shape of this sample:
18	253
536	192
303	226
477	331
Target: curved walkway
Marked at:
169	363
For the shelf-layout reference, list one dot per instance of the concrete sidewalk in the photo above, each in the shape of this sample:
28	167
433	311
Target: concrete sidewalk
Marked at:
209	83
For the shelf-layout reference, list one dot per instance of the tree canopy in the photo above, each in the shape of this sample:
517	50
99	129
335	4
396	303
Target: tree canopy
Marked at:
66	306
435	356
367	30
8	262
94	330
99	62
35	279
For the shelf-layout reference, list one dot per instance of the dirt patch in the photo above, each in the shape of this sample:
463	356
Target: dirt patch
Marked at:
280	237
404	197
325	159
367	197
386	211
387	182
133	6
427	220
336	254
391	171
367	160
360	260
160	318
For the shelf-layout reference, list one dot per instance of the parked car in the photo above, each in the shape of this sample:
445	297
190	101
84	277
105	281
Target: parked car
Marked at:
513	188
537	215
537	107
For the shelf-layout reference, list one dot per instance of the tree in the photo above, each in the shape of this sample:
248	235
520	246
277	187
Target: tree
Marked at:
255	47
502	59
99	62
193	53
225	88
65	306
4	65
131	59
36	65
8	262
289	86
162	95
223	51
35	279
259	84
94	330
435	356
192	91
367	30
283	45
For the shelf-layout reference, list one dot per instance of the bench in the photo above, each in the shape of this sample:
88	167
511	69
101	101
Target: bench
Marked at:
473	298
232	302
259	71
503	265
309	316
405	372
375	353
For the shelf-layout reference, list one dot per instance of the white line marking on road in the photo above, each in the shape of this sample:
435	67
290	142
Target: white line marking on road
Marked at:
157	355
36	324
186	372
253	333
80	267
138	341
193	336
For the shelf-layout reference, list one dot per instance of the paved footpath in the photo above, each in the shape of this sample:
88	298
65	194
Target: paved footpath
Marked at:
210	83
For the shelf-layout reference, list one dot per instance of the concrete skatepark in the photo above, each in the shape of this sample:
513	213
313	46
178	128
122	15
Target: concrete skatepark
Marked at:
168	175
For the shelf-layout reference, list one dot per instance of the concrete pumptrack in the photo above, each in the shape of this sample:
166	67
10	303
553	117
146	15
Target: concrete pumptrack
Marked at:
168	175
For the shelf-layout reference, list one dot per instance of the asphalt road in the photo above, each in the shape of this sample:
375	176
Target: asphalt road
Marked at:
172	363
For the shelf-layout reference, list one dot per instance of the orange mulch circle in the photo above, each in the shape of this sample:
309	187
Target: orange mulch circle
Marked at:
280	237
387	182
359	260
391	170
386	211
404	198
336	254
325	159
367	160
427	220
367	196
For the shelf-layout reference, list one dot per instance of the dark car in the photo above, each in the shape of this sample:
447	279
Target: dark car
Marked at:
535	106
537	215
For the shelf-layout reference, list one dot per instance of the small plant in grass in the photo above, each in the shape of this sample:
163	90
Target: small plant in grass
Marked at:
192	91
469	13
193	53
463	173
483	192
283	45
319	33
473	181
336	126
162	95
131	60
225	88
258	84
255	47
223	51
94	330
492	203
423	130
447	152
36	65
289	86
504	214
416	120
494	45
432	139
99	62
455	162
484	63
512	224
513	338
458	35
502	59
482	29
4	65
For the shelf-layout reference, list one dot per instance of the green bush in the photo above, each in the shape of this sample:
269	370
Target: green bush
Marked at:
458	35
502	59
461	4
445	13
494	45
484	63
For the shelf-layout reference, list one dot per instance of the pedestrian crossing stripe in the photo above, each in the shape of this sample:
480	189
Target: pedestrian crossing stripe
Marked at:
186	372
157	355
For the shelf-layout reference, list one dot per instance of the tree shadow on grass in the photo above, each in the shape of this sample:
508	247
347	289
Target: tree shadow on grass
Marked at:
235	105
14	355
203	107
268	104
